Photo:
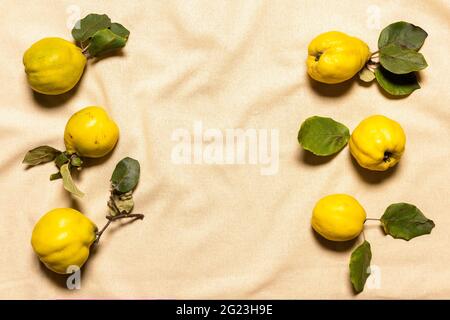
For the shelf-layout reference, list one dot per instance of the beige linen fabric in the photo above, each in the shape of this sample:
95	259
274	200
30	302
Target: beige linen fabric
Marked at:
224	231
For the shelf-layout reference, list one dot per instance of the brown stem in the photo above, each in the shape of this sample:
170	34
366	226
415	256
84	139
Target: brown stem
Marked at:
126	215
372	219
114	218
99	233
83	50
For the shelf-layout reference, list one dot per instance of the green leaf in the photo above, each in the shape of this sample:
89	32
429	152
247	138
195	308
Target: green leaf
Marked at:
89	25
396	84
105	40
405	221
126	175
323	136
399	60
55	176
120	30
40	155
68	183
359	266
76	161
61	159
366	75
403	34
121	203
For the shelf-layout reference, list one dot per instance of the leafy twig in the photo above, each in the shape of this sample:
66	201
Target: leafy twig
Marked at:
136	216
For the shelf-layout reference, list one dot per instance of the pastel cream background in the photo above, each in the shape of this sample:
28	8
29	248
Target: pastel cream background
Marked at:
224	231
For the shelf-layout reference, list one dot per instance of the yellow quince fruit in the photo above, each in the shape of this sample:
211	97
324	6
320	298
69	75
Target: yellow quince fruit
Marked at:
338	217
53	65
377	143
62	238
90	133
335	57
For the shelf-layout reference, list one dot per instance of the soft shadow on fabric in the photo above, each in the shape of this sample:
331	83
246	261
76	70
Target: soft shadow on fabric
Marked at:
338	246
57	279
115	53
311	159
330	90
93	162
374	177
